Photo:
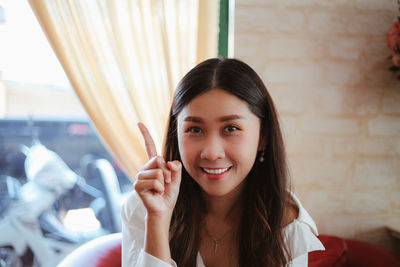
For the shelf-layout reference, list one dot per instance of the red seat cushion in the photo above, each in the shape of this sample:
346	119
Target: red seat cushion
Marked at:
333	255
363	254
350	253
105	249
111	258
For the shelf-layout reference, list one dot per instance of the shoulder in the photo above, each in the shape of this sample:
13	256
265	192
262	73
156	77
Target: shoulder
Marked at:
290	213
300	230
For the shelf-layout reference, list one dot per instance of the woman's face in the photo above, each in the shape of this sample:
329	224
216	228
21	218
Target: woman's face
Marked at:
218	139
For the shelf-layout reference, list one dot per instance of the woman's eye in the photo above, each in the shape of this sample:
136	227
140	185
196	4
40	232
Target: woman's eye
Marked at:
193	130
230	128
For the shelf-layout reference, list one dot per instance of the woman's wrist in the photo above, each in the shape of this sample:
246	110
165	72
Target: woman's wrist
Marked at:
160	222
157	236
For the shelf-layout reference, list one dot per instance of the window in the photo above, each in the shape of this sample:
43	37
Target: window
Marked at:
32	81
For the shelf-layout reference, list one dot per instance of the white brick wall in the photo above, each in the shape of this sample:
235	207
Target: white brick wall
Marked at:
325	65
384	126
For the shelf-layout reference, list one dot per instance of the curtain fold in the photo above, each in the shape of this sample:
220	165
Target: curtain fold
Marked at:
124	59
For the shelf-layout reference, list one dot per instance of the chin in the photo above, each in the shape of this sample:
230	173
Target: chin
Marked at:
216	192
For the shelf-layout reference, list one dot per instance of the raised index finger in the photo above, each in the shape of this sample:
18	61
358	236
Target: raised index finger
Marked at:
148	140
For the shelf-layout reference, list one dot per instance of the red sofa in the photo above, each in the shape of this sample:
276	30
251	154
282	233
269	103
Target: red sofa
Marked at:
351	253
106	252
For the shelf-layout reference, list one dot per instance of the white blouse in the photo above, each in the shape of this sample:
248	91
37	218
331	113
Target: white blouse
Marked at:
300	235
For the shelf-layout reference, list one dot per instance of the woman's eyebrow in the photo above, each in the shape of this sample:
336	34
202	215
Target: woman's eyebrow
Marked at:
221	119
193	119
231	118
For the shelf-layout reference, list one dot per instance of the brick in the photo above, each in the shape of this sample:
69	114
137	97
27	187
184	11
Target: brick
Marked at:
305	145
391	101
314	3
291	47
339	100
248	39
342	226
306	73
288	124
371	23
324	203
361	202
371	222
367	102
268	20
384	126
375	174
298	102
374	5
395	200
379	76
330	126
349	22
327	23
378	147
320	171
398	147
347	48
332	100
373	49
258	3
345	146
342	73
364	146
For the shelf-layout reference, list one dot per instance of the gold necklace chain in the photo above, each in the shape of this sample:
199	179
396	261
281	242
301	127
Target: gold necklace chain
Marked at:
216	241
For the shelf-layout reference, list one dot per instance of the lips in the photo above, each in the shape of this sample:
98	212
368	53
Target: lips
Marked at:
215	170
215	173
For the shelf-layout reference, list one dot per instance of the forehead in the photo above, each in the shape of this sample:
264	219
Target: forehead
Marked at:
216	103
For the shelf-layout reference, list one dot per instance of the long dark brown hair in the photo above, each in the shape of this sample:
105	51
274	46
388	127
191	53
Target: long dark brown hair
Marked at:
260	240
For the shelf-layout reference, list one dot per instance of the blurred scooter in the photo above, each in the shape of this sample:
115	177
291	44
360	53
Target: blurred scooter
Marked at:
29	219
100	174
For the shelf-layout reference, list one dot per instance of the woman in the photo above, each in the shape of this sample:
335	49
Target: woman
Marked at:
219	194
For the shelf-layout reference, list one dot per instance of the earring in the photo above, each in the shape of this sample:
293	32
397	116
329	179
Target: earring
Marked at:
261	157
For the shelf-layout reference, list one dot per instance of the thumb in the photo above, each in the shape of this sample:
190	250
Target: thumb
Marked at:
176	170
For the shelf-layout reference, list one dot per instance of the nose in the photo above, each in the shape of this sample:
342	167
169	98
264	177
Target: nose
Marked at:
213	148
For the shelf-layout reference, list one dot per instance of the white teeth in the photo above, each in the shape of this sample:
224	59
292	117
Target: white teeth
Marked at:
215	171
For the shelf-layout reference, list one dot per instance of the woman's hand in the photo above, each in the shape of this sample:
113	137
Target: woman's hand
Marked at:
157	182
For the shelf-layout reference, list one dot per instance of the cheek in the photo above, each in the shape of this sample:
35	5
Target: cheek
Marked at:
244	149
186	150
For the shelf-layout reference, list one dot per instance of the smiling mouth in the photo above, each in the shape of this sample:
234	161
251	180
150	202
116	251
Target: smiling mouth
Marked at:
215	171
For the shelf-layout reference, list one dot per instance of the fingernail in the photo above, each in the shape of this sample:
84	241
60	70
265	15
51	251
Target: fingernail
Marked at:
170	165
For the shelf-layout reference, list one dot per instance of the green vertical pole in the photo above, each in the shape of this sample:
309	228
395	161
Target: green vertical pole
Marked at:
223	28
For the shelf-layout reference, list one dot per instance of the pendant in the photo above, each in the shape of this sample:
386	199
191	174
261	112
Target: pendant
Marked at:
215	247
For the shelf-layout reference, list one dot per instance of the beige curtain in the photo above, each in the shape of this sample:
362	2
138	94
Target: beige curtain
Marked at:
124	59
